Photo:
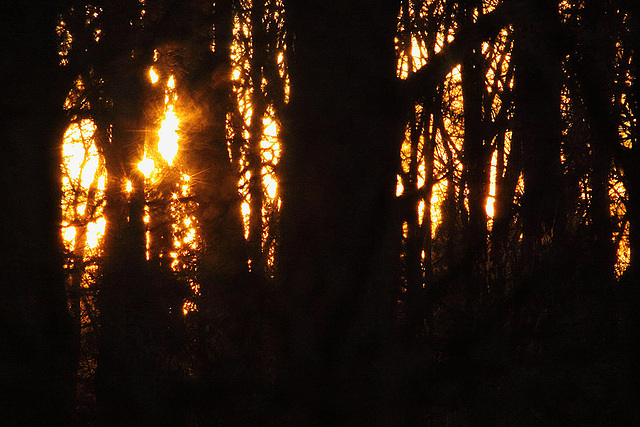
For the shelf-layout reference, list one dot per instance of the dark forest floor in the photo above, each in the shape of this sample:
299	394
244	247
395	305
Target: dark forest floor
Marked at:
551	361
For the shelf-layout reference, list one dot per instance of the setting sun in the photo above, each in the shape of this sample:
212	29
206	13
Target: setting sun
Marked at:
146	166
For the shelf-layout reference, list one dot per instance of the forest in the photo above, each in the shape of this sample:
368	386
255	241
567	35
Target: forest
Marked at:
306	212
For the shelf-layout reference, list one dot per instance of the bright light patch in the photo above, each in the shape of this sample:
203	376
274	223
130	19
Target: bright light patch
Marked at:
69	235
271	185
80	152
171	83
492	185
490	211
128	185
153	76
95	232
271	129
168	136
399	187
246	211
146	166
437	198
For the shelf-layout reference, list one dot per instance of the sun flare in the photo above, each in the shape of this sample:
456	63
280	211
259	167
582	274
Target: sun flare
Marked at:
146	166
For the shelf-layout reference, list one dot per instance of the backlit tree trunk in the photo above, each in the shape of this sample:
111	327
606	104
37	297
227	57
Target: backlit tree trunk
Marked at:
475	162
125	385
538	83
37	370
340	239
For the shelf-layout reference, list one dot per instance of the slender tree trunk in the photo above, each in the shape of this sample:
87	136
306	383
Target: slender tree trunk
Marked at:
596	81
538	84
506	183
428	152
254	155
475	163
413	243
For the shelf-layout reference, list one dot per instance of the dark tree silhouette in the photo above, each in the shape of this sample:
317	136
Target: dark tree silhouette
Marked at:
36	360
339	231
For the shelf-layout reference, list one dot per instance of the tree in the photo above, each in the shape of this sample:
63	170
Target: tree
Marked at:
36	336
339	241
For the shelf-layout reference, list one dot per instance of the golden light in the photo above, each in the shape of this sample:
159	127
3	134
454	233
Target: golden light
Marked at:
83	181
618	211
271	185
489	208
189	306
147	246
492	185
128	186
80	152
69	235
146	166
421	207
623	252
95	232
399	186
153	75
437	198
168	136
246	211
171	83
271	128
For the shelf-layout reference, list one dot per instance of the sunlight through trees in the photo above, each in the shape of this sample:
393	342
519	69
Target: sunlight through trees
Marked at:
287	210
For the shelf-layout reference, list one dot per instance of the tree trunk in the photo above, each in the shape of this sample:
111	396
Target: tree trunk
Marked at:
538	83
125	385
254	155
504	210
414	241
340	238
596	53
37	370
475	163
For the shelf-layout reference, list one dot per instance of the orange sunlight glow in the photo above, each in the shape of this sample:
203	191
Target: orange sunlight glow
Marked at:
83	174
153	76
168	135
618	210
146	166
95	232
492	187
